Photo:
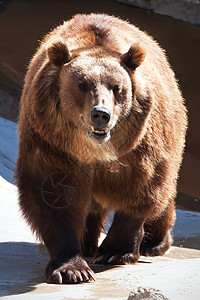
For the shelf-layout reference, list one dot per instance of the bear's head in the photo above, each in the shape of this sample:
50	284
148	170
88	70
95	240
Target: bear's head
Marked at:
94	90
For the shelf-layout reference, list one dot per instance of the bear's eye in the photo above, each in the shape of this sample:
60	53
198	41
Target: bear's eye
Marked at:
83	86
115	89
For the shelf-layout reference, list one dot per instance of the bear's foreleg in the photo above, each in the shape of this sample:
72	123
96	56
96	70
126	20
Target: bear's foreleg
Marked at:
66	264
122	244
59	228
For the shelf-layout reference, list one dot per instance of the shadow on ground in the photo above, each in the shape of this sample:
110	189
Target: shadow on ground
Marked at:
22	267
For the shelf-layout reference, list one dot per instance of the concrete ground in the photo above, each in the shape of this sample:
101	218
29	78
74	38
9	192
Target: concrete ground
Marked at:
174	276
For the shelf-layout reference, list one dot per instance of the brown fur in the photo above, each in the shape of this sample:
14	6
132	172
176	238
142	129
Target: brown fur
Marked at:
91	61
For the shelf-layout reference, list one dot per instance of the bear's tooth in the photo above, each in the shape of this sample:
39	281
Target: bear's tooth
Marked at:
99	131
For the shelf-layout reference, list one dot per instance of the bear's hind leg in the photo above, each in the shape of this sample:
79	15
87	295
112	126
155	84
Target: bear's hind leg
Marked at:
122	244
94	225
158	238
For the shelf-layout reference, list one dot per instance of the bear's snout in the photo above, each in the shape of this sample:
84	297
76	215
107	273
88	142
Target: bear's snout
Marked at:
100	116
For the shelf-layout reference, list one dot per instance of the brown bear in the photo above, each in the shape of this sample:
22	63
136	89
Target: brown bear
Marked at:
102	128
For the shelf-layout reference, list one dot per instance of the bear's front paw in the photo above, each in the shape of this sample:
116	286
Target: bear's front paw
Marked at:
115	258
76	270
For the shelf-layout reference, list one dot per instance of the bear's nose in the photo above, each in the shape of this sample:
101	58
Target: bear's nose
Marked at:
100	116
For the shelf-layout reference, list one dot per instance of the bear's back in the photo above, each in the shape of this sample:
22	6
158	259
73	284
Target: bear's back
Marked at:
100	30
86	31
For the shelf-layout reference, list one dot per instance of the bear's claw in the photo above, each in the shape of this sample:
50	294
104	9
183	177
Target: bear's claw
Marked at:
74	271
117	259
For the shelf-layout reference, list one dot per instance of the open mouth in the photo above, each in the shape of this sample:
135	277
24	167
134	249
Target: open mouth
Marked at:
99	134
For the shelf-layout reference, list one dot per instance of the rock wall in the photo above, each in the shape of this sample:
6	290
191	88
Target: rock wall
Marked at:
186	10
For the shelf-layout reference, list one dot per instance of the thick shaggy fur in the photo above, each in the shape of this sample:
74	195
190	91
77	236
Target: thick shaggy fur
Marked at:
99	60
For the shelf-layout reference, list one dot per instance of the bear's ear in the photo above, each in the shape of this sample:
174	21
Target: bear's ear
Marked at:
134	57
58	54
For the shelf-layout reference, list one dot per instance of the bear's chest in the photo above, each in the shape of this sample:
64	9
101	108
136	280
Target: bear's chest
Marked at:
113	185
